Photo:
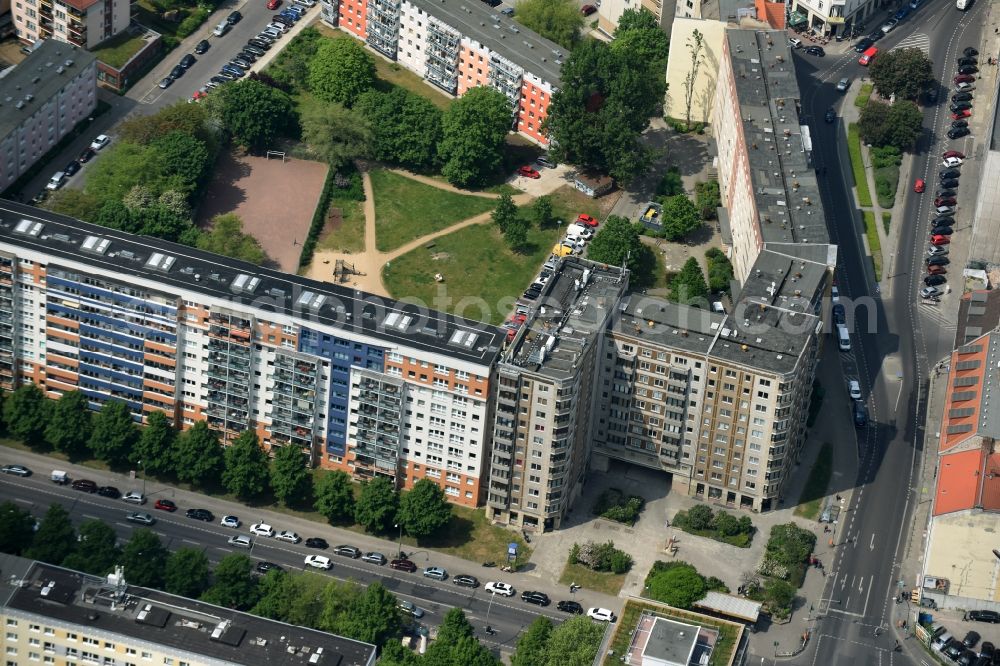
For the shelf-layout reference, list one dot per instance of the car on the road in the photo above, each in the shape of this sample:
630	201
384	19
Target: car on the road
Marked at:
240	541
964	78
601	614
843	84
951	162
273	4
165	82
863	45
860	414
409	608
586	220
187	61
139	517
570	607
234	18
992	617
16	470
815	51
87	155
955	124
316	542
437	573
528	172
889	25
930	292
940	240
465	580
318	561
854	389
86	485
958	132
229	521
165	505
348	551
949	174
919	185
403	564
867	56
830	116
934	280
497	587
374	558
968	69
945	201
202	46
931	94
262	529
537	598
109	491
200	514
971	639
134	497
264	566
953	153
56	181
587	10
289	536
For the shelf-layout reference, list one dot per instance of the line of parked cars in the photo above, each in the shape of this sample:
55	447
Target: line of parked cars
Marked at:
60	177
961	651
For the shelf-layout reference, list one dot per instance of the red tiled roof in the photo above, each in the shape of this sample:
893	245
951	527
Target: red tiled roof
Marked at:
958	481
990	500
82	5
772	12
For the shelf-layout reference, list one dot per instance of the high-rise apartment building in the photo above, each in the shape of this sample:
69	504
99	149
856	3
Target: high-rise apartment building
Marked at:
358	382
41	101
456	46
52	615
83	23
546	395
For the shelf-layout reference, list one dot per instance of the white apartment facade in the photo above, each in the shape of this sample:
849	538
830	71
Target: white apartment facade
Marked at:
83	23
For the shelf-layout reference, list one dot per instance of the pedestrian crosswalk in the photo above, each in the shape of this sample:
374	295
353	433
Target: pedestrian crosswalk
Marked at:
917	40
934	314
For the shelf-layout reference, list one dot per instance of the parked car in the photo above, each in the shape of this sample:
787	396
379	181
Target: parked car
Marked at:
965	60
200	514
528	172
959	106
940	240
936	270
970	52
941	231
141	518
56	181
247	56
101	141
967	70
316	542
187	61
537	598
437	573
71	168
943	221
165	82
496	587
87	155
134	497
258	43
262	529
109	491
816	51
587	10
234	18
854	389
374	558
587	220
283	20
165	505
971	639
945	201
250	48
16	470
273	4
202	46
290	537
934	280
937	251
403	565
964	78
230	521
839	314
465	580
889	25
964	86
992	617
570	607
930	292
948	174
960	114
863	45
956	123
953	153
318	561
961	97
601	614
86	485
348	551
949	183
830	115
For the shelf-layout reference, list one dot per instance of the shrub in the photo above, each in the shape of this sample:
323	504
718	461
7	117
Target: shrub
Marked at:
600	557
613	505
670	185
192	22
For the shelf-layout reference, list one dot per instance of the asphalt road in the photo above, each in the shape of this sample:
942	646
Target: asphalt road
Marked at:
892	347
507	616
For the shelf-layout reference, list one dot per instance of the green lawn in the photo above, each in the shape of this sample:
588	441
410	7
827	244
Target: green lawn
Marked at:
886	221
858	165
406	209
350	235
116	51
874	245
886	182
861	101
816	483
598	581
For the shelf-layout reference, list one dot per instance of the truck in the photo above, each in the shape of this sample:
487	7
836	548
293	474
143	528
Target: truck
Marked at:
962	5
60	477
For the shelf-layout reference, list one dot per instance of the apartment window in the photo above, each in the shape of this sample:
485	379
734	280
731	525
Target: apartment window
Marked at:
11	635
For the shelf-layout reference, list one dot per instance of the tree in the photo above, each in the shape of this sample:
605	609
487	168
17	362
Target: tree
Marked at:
114	433
374	617
226	237
699	517
505	212
54	538
197	455
696	46
726	524
17	528
338	600
290	479
532	646
340	71
541	211
720	270
335	496
291	67
680	217
474	134
96	549
184	159
234	584
779	595
335	134
246	472
679	586
254	113
144	559
154	451
189	119
186	573
377	506
902	72
455	626
516	234
26	413
575	643
424	509
616	242
69	425
73	203
122	167
558	20
898	125
689	287
638	31
599	112
466	651
406	126
708	198
395	654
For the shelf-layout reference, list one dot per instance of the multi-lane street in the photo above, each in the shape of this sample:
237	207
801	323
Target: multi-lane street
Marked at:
508	617
893	344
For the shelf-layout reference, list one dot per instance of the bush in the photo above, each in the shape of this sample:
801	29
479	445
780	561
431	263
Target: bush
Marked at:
720	271
600	557
721	526
613	505
886	182
670	185
192	22
346	183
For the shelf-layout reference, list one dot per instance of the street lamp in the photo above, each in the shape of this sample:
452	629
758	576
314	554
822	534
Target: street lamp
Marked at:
489	607
399	544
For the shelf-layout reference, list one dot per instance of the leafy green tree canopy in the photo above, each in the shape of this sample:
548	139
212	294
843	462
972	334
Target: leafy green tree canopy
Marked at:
424	510
474	134
17	528
898	125
114	433
26	413
558	20
335	496
254	113
533	644
689	286
246	474
144	559
96	550
680	217
374	617
235	585
55	537
290	478
70	424
187	572
198	455
639	32
377	506
616	242
341	70
679	586
155	448
903	72
226	237
406	126
505	212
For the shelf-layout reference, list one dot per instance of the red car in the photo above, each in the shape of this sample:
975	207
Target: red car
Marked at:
919	185
944	201
940	240
964	78
937	270
165	505
953	153
273	4
586	220
964	113
403	565
587	10
528	172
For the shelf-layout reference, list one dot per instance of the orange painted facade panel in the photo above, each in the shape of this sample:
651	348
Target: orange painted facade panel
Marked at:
412	475
473	69
353	14
534	108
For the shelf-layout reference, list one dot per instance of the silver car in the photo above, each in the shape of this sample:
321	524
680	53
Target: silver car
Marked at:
240	542
141	518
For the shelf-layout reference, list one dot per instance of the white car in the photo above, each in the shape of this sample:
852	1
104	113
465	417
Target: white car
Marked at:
240	542
230	521
307	3
500	588
134	497
262	529
601	614
278	28
930	292
56	181
854	389
952	162
290	537
318	562
834	294
101	141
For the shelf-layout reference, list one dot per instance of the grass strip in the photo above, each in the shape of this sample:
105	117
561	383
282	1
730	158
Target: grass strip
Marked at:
858	165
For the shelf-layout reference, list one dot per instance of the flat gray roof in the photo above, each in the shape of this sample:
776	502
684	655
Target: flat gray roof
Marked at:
778	140
671	641
47	69
246	285
183	626
669	324
486	25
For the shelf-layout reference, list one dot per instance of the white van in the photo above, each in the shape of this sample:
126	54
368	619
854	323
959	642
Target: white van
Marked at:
221	29
579	231
843	338
962	5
